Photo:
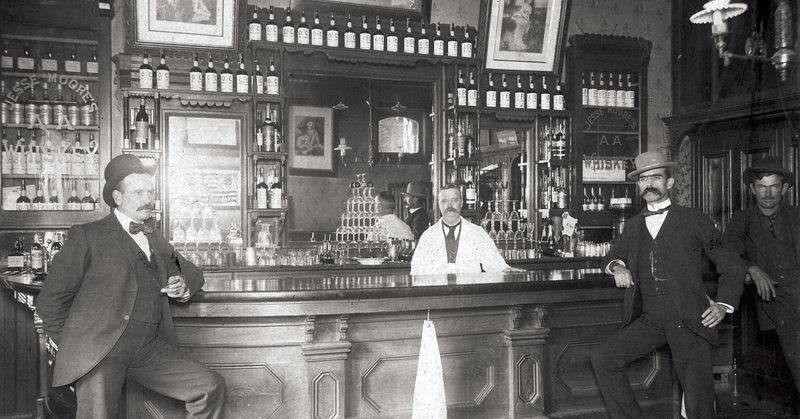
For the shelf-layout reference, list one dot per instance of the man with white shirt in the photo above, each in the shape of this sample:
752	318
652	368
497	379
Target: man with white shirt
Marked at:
105	303
454	245
659	259
390	226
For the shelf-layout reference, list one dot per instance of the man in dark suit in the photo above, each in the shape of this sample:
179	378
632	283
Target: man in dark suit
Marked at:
767	236
659	259
105	304
417	219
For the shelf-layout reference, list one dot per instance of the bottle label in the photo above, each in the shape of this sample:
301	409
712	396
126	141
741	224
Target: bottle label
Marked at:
141	132
408	45
25	63
272	85
5	162
438	47
558	102
333	38
466	49
621	98
316	37
255	31
471	196
87	115
391	44
630	99
195	81
242	83
226	83
288	34
16	262
349	40
6	61
303	36
592	97
162	79
461	95
276	198
452	48
519	100
85	206
23	206
262	200
91	67
271	33
424	46
31	112
71	66
544	101
530	100
505	99
491	99
49	64
472	97
364	41
145	79
259	84
601	97
584	96
44	113
378	42
611	98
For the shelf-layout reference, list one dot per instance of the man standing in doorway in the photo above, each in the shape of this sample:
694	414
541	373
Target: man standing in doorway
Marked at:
417	219
659	260
767	237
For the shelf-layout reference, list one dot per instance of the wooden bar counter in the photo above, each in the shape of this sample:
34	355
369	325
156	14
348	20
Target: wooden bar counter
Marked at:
342	342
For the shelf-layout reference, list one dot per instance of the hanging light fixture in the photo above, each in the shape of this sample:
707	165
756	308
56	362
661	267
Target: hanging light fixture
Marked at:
716	12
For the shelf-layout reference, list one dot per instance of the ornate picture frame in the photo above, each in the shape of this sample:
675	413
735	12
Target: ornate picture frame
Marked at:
196	24
310	140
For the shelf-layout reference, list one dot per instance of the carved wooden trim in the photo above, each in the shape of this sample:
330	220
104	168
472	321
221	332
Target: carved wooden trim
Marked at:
333	351
309	326
315	396
514	316
342	325
529	379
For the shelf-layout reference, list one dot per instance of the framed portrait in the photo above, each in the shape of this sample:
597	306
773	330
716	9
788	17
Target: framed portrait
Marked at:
206	24
310	141
525	35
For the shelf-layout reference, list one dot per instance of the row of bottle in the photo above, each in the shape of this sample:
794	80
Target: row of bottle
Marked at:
30	109
48	61
594	200
49	196
611	90
269	189
554	187
554	139
38	257
461	141
269	137
466	179
210	80
366	39
27	157
523	96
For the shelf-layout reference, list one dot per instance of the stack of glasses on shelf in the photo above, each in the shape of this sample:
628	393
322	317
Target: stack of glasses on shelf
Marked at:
507	225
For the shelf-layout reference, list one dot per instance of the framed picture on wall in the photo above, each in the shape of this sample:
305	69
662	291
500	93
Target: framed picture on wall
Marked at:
310	141
206	24
525	35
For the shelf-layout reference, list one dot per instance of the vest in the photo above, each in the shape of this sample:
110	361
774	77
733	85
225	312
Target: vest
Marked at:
650	289
147	306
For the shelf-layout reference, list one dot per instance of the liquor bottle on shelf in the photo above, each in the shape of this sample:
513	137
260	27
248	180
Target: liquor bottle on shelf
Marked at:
392	40
630	94
451	140
37	255
145	73
19	165
364	37
210	76
38	202
16	259
48	63
258	79
491	93
78	158
73	110
25	62
195	75
142	124
277	140
254	26
55	247
46	106
268	129
226	77
586	200
519	94
461	138
438	42
92	157
54	203
611	92
472	90
242	78
6	59
378	37
349	34
584	90
63	155
87	113
288	30
601	201
5	154
601	92
271	27
471	194
558	98
162	73
259	144
466	44
303	31
409	41
531	97
332	34
273	81
470	144
620	93
59	106
592	91
276	191
23	202
73	202
461	90
317	37
262	191
5	107
33	156
452	42
505	94
31	107
423	42
91	65
544	97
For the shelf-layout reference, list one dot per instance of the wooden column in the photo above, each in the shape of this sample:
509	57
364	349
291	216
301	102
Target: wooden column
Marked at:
525	339
325	368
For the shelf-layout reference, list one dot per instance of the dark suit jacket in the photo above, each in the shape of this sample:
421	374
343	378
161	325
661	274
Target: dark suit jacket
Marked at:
748	242
419	222
688	237
88	295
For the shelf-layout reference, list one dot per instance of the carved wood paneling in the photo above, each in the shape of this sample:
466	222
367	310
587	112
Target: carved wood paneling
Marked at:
325	395
529	372
573	371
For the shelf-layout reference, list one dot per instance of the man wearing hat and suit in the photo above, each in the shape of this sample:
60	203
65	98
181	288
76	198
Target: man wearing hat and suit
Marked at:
105	304
767	237
417	219
659	259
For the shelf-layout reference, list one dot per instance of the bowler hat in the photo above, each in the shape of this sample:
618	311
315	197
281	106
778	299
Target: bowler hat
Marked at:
119	168
417	189
770	164
650	160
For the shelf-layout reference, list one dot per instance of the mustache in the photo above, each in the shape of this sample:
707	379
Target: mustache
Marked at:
651	189
451	209
146	207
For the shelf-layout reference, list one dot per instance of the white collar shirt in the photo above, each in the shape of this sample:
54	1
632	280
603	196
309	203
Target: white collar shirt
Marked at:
654	222
140	238
476	251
